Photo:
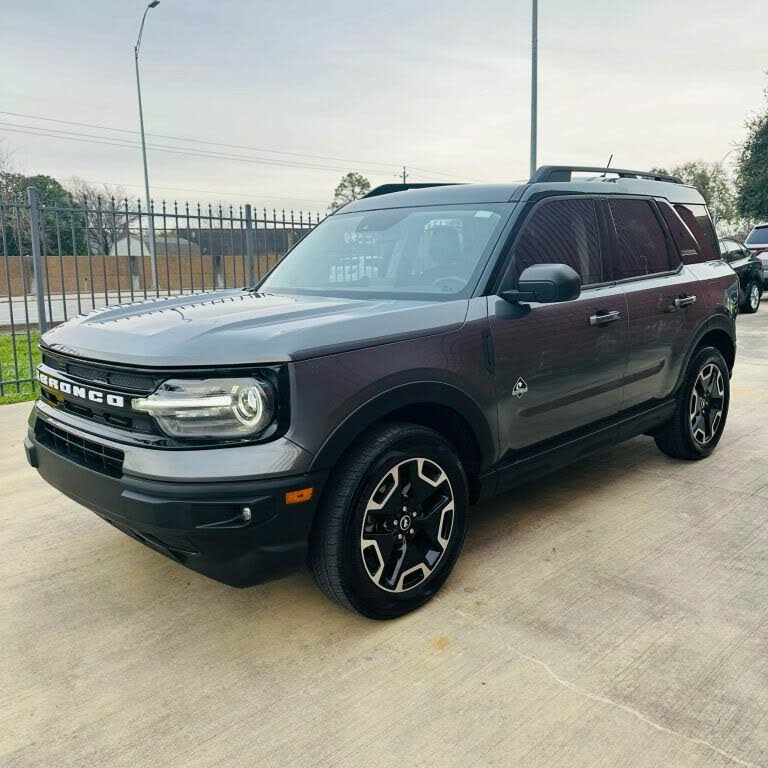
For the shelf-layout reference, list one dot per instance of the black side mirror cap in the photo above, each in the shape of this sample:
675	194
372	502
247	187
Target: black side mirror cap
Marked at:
546	284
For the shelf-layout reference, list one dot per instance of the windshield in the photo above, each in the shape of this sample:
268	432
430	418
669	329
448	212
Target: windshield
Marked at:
758	236
423	253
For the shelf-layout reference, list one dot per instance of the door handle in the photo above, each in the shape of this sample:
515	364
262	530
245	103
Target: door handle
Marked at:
684	301
603	317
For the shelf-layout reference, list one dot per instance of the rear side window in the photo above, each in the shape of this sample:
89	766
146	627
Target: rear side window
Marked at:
642	244
698	221
689	249
562	232
758	236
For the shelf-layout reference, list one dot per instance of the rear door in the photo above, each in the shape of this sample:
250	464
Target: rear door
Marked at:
661	292
559	367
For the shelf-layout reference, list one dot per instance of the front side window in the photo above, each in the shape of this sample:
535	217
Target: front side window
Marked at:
731	250
562	232
641	242
430	253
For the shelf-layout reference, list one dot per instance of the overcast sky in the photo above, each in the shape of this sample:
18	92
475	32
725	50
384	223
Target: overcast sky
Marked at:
439	85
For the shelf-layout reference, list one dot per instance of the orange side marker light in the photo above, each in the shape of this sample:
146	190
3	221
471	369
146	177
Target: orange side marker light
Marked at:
299	496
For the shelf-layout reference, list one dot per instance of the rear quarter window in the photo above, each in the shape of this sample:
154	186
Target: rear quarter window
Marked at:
697	219
689	249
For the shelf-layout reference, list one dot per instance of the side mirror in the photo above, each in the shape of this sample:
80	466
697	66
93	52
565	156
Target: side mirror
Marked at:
546	284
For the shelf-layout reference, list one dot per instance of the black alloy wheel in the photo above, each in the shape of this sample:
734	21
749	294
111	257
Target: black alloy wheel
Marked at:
392	521
407	524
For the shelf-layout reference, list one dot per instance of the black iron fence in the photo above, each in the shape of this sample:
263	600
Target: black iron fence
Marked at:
67	258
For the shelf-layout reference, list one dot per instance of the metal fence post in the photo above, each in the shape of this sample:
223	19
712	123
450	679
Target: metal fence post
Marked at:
249	246
37	257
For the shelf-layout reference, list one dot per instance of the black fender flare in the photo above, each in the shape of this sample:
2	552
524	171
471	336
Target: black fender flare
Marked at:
427	393
717	323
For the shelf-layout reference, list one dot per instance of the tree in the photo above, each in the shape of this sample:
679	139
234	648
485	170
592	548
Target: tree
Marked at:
353	186
711	179
107	212
55	231
752	171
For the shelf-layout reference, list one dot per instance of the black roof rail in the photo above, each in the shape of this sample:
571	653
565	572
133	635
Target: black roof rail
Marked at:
565	172
386	189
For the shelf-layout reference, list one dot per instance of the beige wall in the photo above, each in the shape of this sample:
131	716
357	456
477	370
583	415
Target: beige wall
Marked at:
70	274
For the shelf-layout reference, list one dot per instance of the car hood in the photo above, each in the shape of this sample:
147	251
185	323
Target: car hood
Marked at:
240	327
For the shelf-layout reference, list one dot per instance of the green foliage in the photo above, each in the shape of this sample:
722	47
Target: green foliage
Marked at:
752	172
55	229
353	186
712	181
21	368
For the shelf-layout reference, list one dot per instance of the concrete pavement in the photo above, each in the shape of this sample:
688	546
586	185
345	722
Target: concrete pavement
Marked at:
613	615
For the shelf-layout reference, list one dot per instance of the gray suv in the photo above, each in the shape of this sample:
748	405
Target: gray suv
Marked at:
422	349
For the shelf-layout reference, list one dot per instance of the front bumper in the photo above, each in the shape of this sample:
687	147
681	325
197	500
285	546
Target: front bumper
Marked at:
202	525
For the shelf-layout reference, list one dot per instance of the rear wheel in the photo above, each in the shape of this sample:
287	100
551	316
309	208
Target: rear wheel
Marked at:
751	298
697	425
392	522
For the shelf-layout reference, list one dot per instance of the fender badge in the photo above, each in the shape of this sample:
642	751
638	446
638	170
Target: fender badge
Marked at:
520	388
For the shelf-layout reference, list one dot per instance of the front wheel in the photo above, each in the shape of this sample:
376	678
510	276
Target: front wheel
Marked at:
751	298
697	425
392	522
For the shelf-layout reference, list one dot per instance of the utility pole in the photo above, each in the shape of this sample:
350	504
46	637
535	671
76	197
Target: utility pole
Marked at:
152	255
405	176
534	81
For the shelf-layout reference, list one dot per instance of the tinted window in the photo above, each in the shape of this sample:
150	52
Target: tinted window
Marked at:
434	253
758	236
698	221
562	232
730	250
642	244
686	243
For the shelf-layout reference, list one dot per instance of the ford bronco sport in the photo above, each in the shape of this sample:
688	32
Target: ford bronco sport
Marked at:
419	350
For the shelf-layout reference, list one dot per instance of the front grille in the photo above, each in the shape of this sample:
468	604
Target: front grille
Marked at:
126	384
101	374
101	458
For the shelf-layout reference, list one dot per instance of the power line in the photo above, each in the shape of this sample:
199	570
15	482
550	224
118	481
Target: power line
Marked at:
52	133
203	141
391	166
250	196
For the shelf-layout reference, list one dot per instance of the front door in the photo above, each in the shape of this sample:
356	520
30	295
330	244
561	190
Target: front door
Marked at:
559	367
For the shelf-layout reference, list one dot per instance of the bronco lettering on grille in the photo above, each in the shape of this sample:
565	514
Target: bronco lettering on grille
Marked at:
80	392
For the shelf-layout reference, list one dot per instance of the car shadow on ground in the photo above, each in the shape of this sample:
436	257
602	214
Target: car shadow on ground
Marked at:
497	527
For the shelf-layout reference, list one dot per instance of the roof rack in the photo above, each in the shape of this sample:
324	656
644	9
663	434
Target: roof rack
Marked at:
386	189
565	173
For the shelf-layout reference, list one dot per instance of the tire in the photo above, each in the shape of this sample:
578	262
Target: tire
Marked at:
699	419
751	298
401	480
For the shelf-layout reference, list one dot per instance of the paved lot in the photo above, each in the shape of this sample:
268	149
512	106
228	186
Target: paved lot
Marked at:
616	615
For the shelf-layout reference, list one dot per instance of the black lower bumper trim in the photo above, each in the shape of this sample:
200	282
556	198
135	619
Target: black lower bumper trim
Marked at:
239	533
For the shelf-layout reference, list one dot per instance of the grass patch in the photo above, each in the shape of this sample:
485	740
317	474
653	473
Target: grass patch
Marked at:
18	393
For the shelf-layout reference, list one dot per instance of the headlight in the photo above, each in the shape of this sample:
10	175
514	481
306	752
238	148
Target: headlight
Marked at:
213	408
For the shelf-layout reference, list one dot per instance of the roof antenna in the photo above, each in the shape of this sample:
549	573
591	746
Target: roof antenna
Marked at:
608	165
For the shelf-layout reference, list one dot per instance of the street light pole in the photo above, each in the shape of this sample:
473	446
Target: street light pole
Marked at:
534	81
148	202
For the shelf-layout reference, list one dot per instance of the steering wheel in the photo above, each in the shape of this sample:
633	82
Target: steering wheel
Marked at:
459	282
